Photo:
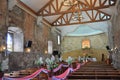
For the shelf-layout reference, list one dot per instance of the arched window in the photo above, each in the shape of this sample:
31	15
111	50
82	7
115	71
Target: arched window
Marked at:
15	40
58	39
50	47
85	43
10	41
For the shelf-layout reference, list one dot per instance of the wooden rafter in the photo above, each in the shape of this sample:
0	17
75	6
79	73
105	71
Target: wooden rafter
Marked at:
31	10
25	6
89	7
57	8
92	16
45	6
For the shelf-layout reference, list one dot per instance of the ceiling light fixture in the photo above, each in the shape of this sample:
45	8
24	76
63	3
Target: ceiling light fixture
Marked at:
70	2
77	14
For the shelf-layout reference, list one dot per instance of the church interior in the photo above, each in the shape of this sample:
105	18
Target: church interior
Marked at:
37	36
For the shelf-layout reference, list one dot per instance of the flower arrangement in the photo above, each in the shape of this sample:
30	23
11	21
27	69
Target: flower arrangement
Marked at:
39	62
51	64
69	60
79	59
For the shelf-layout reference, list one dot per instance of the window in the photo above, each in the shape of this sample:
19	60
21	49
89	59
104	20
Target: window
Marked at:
10	42
58	39
15	39
50	47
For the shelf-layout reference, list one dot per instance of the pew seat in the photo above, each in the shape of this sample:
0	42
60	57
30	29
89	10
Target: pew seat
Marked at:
94	77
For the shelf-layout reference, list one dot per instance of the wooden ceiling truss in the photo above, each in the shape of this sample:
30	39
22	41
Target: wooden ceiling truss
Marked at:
89	7
92	16
55	7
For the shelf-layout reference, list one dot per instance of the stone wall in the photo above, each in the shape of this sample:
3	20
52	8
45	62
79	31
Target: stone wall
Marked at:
3	17
116	37
73	43
39	35
18	61
3	26
72	46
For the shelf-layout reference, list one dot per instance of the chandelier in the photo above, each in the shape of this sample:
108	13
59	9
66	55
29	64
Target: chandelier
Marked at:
77	14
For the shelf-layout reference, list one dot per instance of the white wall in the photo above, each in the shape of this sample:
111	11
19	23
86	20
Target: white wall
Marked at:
18	42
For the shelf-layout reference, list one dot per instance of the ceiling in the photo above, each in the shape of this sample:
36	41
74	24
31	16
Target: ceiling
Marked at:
56	14
85	29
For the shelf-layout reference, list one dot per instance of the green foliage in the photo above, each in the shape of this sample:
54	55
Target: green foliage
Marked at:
69	60
39	61
51	63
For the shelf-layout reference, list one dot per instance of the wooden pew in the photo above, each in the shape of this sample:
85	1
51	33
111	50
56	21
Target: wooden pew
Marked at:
98	70
95	73
93	77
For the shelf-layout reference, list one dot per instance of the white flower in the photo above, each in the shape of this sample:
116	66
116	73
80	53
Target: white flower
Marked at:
61	58
50	63
79	58
69	60
39	61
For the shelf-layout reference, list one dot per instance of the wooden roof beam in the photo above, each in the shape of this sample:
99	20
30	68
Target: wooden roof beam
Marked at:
97	16
26	7
48	11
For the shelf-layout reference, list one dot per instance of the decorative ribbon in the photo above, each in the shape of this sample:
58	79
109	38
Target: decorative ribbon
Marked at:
63	75
29	76
78	67
66	73
59	67
59	77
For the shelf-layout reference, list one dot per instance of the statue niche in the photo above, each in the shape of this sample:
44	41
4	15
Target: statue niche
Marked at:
85	44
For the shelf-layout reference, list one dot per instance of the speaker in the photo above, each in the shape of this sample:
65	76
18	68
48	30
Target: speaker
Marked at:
107	47
29	44
55	52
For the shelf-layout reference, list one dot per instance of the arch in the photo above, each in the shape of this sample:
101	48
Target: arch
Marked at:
15	39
